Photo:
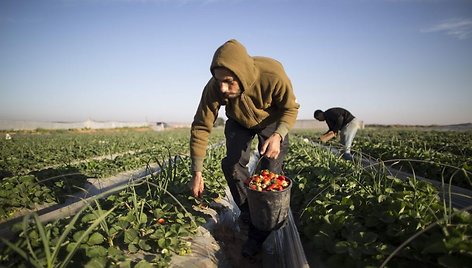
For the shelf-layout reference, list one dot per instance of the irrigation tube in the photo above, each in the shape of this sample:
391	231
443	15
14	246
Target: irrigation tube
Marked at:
98	188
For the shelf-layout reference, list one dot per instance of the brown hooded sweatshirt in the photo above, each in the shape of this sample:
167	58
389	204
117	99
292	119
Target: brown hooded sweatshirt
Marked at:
266	97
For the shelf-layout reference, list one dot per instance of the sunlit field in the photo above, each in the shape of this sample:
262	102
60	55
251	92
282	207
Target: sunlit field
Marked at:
352	213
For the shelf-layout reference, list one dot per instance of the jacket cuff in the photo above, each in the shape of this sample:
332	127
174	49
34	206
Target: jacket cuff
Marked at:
197	164
282	129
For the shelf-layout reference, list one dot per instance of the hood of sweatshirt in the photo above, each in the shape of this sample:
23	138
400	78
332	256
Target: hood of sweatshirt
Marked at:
233	56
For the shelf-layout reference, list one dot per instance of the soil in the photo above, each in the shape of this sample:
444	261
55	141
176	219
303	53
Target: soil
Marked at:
231	239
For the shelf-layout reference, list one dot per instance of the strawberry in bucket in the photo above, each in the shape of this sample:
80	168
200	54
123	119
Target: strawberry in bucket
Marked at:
267	181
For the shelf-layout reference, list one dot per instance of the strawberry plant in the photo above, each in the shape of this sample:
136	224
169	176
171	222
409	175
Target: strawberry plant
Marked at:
437	155
154	218
358	217
62	161
355	216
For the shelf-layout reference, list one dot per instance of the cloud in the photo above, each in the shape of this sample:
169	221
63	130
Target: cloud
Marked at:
459	28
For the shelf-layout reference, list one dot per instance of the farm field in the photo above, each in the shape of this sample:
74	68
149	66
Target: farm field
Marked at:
354	216
443	156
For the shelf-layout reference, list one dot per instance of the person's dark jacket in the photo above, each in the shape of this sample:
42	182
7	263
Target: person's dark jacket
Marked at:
337	118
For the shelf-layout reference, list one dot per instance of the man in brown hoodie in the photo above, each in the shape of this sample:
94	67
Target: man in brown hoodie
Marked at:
259	101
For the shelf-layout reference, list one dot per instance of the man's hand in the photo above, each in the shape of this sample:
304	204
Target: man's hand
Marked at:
327	136
197	184
271	147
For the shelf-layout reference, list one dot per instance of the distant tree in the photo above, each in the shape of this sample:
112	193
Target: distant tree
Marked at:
219	122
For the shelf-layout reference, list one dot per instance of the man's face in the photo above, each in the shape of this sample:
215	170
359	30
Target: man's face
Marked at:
228	83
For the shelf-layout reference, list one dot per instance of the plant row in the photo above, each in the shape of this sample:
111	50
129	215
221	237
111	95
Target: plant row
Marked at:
354	216
29	187
443	156
363	217
27	152
143	225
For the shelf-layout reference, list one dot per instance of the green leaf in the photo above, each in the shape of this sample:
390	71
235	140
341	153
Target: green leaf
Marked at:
143	218
133	248
96	251
125	264
89	217
123	223
114	252
174	241
115	229
78	234
143	245
131	236
95	239
143	264
99	262
161	242
434	248
168	234
71	246
130	217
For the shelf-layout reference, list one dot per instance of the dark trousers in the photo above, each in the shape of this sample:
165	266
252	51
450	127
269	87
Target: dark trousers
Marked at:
238	152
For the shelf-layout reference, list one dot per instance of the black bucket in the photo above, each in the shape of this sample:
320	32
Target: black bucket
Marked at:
269	209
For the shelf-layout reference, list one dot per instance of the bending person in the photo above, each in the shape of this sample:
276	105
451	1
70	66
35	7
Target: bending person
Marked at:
340	121
259	101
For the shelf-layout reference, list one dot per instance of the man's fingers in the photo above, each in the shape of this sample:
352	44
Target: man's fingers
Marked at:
197	186
197	193
272	153
264	148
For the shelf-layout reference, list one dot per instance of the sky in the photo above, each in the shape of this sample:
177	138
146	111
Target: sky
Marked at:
386	61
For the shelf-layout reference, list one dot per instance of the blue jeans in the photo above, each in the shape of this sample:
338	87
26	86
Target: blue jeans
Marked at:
348	133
